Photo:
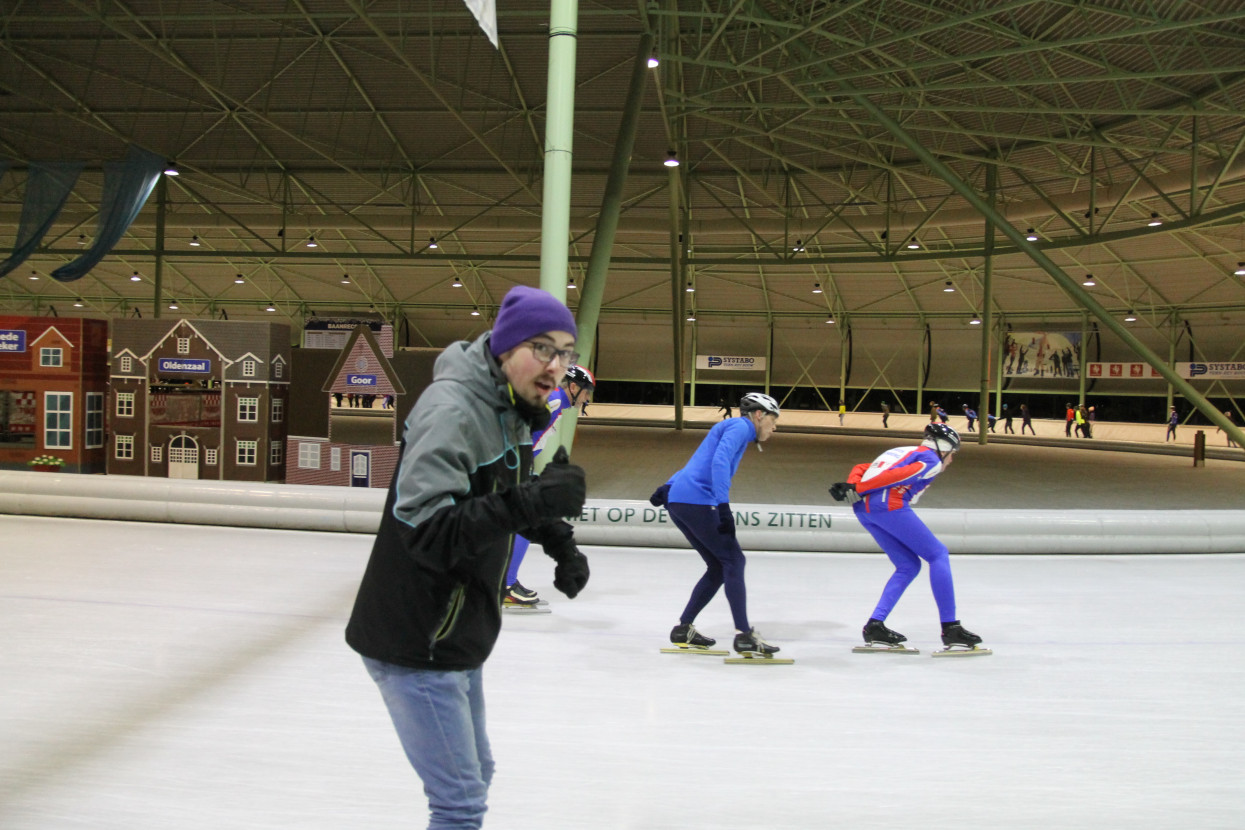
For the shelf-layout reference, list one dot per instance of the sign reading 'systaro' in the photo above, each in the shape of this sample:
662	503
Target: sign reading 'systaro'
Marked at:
730	362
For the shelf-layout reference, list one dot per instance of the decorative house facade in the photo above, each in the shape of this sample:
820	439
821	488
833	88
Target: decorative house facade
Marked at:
53	388
348	405
199	399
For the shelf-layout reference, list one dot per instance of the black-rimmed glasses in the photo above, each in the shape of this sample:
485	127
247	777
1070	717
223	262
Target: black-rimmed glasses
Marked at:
546	353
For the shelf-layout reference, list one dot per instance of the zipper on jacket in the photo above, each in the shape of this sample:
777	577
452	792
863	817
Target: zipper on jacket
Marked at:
451	616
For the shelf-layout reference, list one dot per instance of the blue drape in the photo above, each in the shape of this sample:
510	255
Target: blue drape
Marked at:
127	185
48	185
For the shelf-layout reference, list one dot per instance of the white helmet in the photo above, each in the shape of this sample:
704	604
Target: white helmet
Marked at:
754	401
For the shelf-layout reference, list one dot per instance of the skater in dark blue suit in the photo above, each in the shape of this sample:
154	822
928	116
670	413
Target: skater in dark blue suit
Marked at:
698	500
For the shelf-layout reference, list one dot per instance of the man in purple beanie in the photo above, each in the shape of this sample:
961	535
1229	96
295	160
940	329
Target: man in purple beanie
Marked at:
428	610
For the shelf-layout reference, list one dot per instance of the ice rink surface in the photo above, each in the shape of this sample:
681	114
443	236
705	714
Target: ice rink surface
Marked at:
182	677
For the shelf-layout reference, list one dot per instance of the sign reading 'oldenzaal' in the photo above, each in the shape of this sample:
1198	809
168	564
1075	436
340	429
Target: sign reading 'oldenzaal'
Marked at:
730	362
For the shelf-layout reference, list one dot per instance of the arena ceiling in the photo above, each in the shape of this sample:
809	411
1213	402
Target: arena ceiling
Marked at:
818	141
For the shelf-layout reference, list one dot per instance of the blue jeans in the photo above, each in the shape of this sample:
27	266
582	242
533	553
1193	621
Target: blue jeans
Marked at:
439	716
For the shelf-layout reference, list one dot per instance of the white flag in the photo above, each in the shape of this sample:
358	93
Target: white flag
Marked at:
485	12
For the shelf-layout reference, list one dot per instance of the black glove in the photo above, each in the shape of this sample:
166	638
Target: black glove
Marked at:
570	574
726	519
556	493
660	496
842	491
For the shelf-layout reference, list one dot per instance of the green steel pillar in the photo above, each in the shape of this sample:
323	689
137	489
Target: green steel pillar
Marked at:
987	313
162	199
559	128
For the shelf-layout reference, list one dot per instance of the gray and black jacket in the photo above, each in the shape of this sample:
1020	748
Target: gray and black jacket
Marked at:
431	594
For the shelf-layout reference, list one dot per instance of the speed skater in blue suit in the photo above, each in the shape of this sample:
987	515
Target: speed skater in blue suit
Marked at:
697	498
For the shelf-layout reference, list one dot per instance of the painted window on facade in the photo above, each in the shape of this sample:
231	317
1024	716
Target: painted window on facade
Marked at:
246	453
58	420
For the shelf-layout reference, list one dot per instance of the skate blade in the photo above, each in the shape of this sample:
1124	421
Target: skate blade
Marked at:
961	651
713	652
756	659
880	649
524	610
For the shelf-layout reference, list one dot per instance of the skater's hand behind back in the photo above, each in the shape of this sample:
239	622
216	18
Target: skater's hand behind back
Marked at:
842	491
726	519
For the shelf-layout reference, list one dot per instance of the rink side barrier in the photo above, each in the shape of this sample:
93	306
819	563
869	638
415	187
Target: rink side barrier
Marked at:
625	523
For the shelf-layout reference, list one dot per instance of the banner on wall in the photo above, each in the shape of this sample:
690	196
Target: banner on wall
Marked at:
1211	371
730	362
1134	370
1042	354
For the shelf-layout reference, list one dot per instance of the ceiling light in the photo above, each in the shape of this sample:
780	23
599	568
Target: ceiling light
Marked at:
798	247
1240	269
816	288
194	242
690	288
345	279
172	305
457	283
475	312
432	242
239	279
672	159
1155	221
976	321
135	277
913	244
691	317
829	321
34	275
1031	235
1130	317
78	303
311	242
570	284
171	169
1089	281
270	307
653	62
949	288
81	239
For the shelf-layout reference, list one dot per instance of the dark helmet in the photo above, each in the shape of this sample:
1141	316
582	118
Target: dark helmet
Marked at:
754	401
941	437
581	376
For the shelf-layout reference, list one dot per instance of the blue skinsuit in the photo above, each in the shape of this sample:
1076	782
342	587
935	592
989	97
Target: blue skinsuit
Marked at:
888	488
695	493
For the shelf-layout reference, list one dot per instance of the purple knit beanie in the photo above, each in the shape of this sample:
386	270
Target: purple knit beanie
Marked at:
525	313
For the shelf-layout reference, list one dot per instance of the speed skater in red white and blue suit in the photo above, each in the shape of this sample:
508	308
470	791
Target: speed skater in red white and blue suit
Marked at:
888	487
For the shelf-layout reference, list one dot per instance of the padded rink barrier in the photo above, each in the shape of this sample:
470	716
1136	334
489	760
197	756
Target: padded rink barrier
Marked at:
812	529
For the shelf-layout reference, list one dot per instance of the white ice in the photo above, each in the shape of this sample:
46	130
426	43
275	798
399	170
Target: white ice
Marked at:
184	677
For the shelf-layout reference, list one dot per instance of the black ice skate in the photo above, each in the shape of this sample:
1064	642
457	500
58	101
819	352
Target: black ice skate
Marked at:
687	640
753	649
519	600
879	638
524	595
960	642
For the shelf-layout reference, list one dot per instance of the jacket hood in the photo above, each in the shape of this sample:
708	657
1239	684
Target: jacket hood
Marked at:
473	365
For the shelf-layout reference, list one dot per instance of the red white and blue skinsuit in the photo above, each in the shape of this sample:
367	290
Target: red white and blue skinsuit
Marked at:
888	488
